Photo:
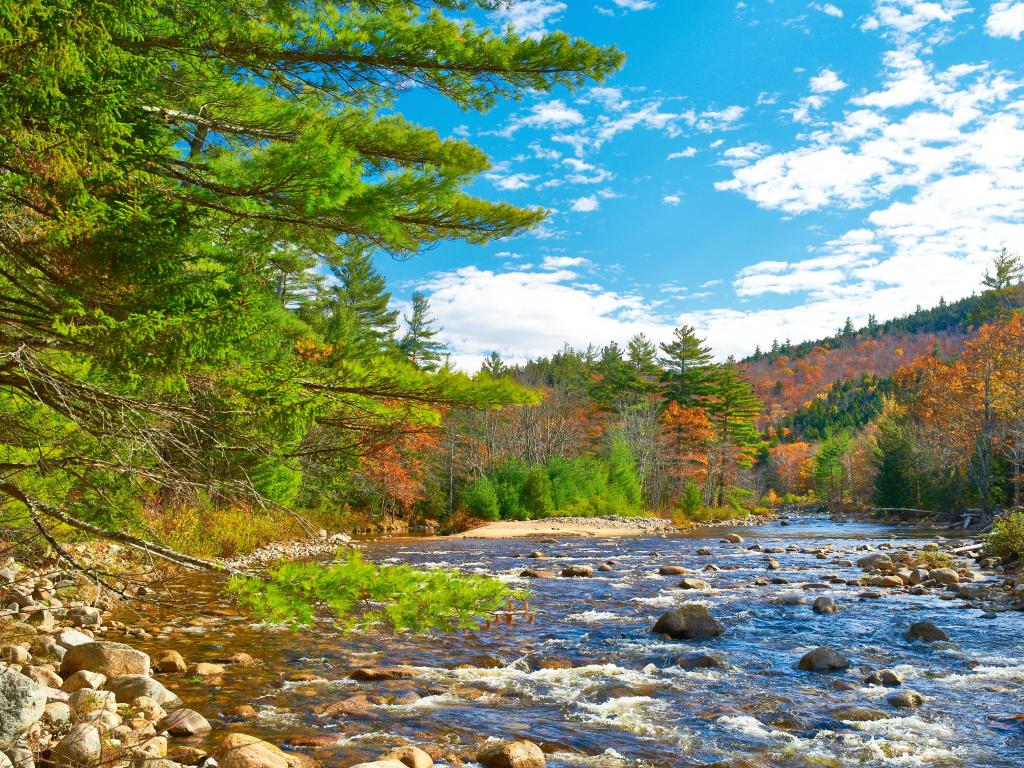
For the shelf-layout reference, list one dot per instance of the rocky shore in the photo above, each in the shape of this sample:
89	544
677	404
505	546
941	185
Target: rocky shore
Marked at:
72	697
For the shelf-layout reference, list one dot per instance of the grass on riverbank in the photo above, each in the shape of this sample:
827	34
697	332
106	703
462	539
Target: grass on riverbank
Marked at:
212	532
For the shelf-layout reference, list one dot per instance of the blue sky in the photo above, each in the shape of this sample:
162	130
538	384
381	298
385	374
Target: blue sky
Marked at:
757	169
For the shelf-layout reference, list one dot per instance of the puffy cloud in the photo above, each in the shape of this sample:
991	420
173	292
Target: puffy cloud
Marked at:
526	313
672	199
587	204
902	20
828	9
722	119
512	181
548	114
688	152
826	81
1006	19
634	5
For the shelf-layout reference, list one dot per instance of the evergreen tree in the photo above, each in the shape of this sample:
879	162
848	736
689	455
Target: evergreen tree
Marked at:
494	366
418	344
686	363
642	355
358	299
733	410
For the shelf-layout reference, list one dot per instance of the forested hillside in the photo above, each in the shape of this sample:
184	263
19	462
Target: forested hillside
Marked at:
835	383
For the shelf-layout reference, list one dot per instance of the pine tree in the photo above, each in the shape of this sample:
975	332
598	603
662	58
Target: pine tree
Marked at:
642	354
358	305
418	344
733	410
494	366
686	363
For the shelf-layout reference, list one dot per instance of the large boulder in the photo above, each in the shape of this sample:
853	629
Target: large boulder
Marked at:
688	622
127	688
81	748
110	659
85	616
69	638
824	658
927	632
239	750
511	754
22	702
672	570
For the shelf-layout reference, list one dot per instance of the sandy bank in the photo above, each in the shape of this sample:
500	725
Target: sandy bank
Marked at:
604	527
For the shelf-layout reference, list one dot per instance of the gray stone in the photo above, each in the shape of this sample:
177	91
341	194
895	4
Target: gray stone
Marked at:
127	688
22	702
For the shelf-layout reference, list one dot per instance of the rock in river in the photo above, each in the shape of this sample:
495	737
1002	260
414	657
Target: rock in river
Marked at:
824	658
825	605
689	622
511	754
578	571
927	632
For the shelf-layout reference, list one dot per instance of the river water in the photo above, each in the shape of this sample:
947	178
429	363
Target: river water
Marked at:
623	702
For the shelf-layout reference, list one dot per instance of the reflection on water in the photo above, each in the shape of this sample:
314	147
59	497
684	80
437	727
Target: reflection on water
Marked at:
587	681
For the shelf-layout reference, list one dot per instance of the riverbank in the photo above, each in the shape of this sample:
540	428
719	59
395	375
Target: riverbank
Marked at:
603	527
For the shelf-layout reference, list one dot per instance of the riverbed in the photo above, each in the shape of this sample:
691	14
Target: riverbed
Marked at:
586	679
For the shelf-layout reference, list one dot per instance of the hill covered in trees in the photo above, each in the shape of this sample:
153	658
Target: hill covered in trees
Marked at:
835	383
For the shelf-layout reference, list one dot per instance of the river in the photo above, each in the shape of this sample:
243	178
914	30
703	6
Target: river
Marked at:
621	701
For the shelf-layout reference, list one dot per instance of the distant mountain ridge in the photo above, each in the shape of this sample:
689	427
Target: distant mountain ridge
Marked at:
836	383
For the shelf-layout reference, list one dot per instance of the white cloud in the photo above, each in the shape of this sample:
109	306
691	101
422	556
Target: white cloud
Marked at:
530	17
1006	19
563	262
586	204
672	199
634	5
585	173
527	313
688	152
548	114
902	20
828	9
826	81
512	181
722	119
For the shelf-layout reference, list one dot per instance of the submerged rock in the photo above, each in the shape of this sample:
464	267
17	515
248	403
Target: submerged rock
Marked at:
689	622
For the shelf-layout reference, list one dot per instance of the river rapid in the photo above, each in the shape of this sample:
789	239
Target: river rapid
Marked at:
587	680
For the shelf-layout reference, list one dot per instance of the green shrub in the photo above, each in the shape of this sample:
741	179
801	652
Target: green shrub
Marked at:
481	499
1007	536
